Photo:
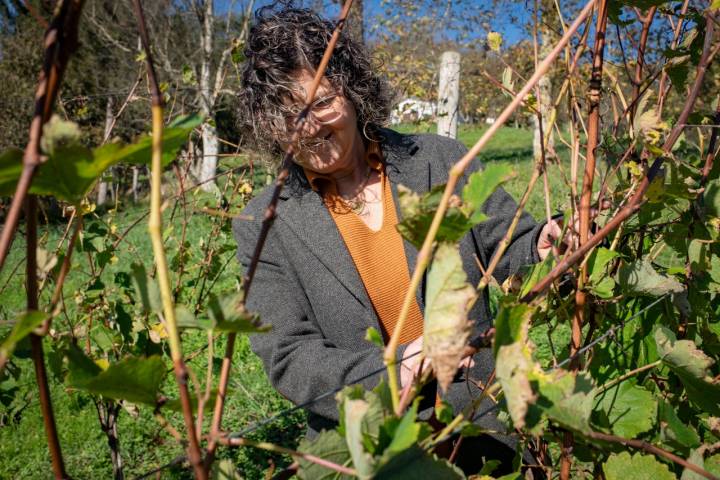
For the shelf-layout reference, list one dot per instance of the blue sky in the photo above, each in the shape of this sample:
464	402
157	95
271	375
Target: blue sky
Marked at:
503	23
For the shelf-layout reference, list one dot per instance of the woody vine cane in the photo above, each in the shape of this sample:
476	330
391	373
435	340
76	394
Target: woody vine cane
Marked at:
155	229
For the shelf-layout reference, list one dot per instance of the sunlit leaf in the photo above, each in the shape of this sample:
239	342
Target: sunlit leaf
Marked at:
135	379
354	410
481	185
622	466
566	398
641	278
331	446
627	409
447	328
494	40
146	289
71	169
224	469
25	323
414	463
513	358
228	314
692	366
418	212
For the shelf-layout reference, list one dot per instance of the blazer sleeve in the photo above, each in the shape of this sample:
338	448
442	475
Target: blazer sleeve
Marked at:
500	209
300	363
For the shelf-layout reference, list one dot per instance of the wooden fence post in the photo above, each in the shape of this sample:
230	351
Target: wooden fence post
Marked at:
448	94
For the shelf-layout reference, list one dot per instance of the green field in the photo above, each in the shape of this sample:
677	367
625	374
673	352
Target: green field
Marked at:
143	443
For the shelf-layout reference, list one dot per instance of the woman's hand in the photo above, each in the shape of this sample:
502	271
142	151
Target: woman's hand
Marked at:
410	367
552	230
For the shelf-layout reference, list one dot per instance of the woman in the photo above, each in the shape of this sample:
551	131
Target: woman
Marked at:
333	264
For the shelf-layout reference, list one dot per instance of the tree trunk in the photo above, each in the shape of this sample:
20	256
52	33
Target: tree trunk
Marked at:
103	186
135	174
448	94
208	162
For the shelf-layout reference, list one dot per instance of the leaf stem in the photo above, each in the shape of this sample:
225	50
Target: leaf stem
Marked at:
244	442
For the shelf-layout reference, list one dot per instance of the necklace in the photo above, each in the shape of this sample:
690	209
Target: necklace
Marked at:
357	203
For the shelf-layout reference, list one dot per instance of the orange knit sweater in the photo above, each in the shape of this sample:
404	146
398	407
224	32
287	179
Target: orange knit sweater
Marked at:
379	256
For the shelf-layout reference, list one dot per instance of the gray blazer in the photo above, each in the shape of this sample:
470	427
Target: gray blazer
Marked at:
308	289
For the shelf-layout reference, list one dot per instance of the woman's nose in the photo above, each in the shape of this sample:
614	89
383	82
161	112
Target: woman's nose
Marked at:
311	126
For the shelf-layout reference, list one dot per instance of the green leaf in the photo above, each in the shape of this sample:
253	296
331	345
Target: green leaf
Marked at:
24	326
622	466
514	363
134	379
600	283
224	469
407	432
415	463
140	151
481	185
228	314
566	398
373	336
711	198
628	409
146	289
10	169
511	324
446	328
418	212
673	431
71	169
354	410
640	278
692	366
329	445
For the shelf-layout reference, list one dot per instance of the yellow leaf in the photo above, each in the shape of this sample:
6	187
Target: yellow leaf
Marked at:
446	329
494	40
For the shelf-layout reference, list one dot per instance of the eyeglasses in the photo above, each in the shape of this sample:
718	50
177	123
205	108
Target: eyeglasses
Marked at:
324	110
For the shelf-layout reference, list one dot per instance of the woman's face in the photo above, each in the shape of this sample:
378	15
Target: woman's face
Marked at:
330	139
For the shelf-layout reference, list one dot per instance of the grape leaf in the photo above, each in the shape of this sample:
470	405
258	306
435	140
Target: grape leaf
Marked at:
513	358
418	212
414	463
640	278
446	328
481	185
627	409
566	398
329	445
621	466
134	379
673	431
692	366
24	326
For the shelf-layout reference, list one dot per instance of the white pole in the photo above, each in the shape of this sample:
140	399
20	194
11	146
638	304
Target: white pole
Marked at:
448	94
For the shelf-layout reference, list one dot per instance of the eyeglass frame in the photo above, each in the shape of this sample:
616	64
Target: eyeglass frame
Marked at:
293	114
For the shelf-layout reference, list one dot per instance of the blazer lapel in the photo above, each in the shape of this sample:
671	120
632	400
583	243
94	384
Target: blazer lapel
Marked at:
403	168
308	217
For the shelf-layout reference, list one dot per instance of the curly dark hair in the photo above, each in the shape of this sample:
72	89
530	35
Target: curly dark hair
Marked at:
284	40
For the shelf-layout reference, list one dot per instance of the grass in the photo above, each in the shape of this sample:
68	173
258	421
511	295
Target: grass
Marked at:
513	147
144	444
